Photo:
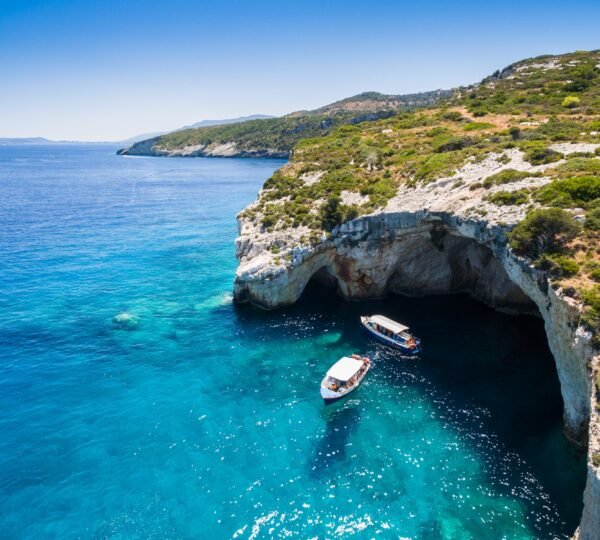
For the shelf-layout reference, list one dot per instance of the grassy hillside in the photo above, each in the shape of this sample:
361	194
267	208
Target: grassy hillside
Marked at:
531	106
281	134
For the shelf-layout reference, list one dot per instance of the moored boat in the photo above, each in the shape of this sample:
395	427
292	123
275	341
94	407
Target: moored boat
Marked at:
391	333
344	377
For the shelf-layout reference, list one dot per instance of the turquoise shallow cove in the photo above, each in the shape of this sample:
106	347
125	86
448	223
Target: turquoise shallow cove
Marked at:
138	402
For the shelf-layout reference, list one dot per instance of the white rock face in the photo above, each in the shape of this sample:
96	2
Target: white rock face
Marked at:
571	148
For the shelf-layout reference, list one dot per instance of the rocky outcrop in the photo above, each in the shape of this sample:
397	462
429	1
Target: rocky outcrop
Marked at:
152	147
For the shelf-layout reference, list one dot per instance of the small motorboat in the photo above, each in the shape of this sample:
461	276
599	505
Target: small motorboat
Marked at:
391	333
344	377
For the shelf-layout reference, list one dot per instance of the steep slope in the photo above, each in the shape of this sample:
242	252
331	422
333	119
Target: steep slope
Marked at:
275	137
497	194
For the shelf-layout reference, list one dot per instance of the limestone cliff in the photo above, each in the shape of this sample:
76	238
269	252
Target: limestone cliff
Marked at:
426	203
152	147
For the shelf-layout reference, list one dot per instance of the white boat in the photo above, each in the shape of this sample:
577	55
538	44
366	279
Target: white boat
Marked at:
391	333
344	377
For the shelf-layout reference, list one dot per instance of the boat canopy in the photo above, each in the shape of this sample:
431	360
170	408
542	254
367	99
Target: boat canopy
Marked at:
388	323
345	368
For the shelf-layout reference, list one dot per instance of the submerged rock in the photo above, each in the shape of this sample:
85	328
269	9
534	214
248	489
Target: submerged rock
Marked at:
125	321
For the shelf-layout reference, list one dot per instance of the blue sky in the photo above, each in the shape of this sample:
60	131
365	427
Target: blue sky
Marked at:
107	70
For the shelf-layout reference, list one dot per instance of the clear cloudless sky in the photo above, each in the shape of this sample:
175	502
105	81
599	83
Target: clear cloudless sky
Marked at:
108	70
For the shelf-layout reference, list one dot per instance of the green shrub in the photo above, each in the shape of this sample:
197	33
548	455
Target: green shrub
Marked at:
596	459
595	274
515	133
435	165
570	102
508	198
452	116
269	220
379	190
557	130
590	318
592	219
506	176
558	266
333	213
570	192
579	165
540	155
543	230
477	126
446	143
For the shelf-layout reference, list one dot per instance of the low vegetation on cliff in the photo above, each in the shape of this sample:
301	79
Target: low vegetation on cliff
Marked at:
279	135
523	146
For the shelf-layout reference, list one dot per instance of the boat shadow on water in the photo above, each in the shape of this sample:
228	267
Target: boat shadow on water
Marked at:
331	448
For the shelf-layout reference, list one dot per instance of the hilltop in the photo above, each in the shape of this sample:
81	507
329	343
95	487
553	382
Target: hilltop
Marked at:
275	137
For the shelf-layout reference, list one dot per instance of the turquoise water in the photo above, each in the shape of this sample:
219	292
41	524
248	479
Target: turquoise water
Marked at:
138	402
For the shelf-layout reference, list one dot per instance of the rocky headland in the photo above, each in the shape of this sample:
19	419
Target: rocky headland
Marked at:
496	194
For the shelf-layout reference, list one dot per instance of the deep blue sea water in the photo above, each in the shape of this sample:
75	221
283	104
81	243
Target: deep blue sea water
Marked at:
137	401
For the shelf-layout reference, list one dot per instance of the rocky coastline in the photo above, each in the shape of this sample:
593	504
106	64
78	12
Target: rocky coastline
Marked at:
150	147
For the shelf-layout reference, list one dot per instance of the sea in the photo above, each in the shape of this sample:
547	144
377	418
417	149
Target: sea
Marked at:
138	401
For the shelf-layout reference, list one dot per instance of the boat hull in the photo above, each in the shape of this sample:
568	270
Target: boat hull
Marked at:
392	343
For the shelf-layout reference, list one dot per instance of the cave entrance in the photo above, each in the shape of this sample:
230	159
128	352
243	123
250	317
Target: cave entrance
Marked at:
325	277
446	263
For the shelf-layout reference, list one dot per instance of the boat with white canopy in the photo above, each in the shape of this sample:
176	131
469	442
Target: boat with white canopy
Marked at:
344	377
391	333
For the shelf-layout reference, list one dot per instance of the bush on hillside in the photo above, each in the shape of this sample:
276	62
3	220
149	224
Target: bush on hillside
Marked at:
515	133
578	191
509	198
540	155
558	266
334	213
570	102
543	230
506	176
580	165
592	219
445	143
590	318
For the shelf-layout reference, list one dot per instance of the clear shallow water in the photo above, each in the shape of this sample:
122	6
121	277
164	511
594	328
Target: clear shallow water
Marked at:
201	419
